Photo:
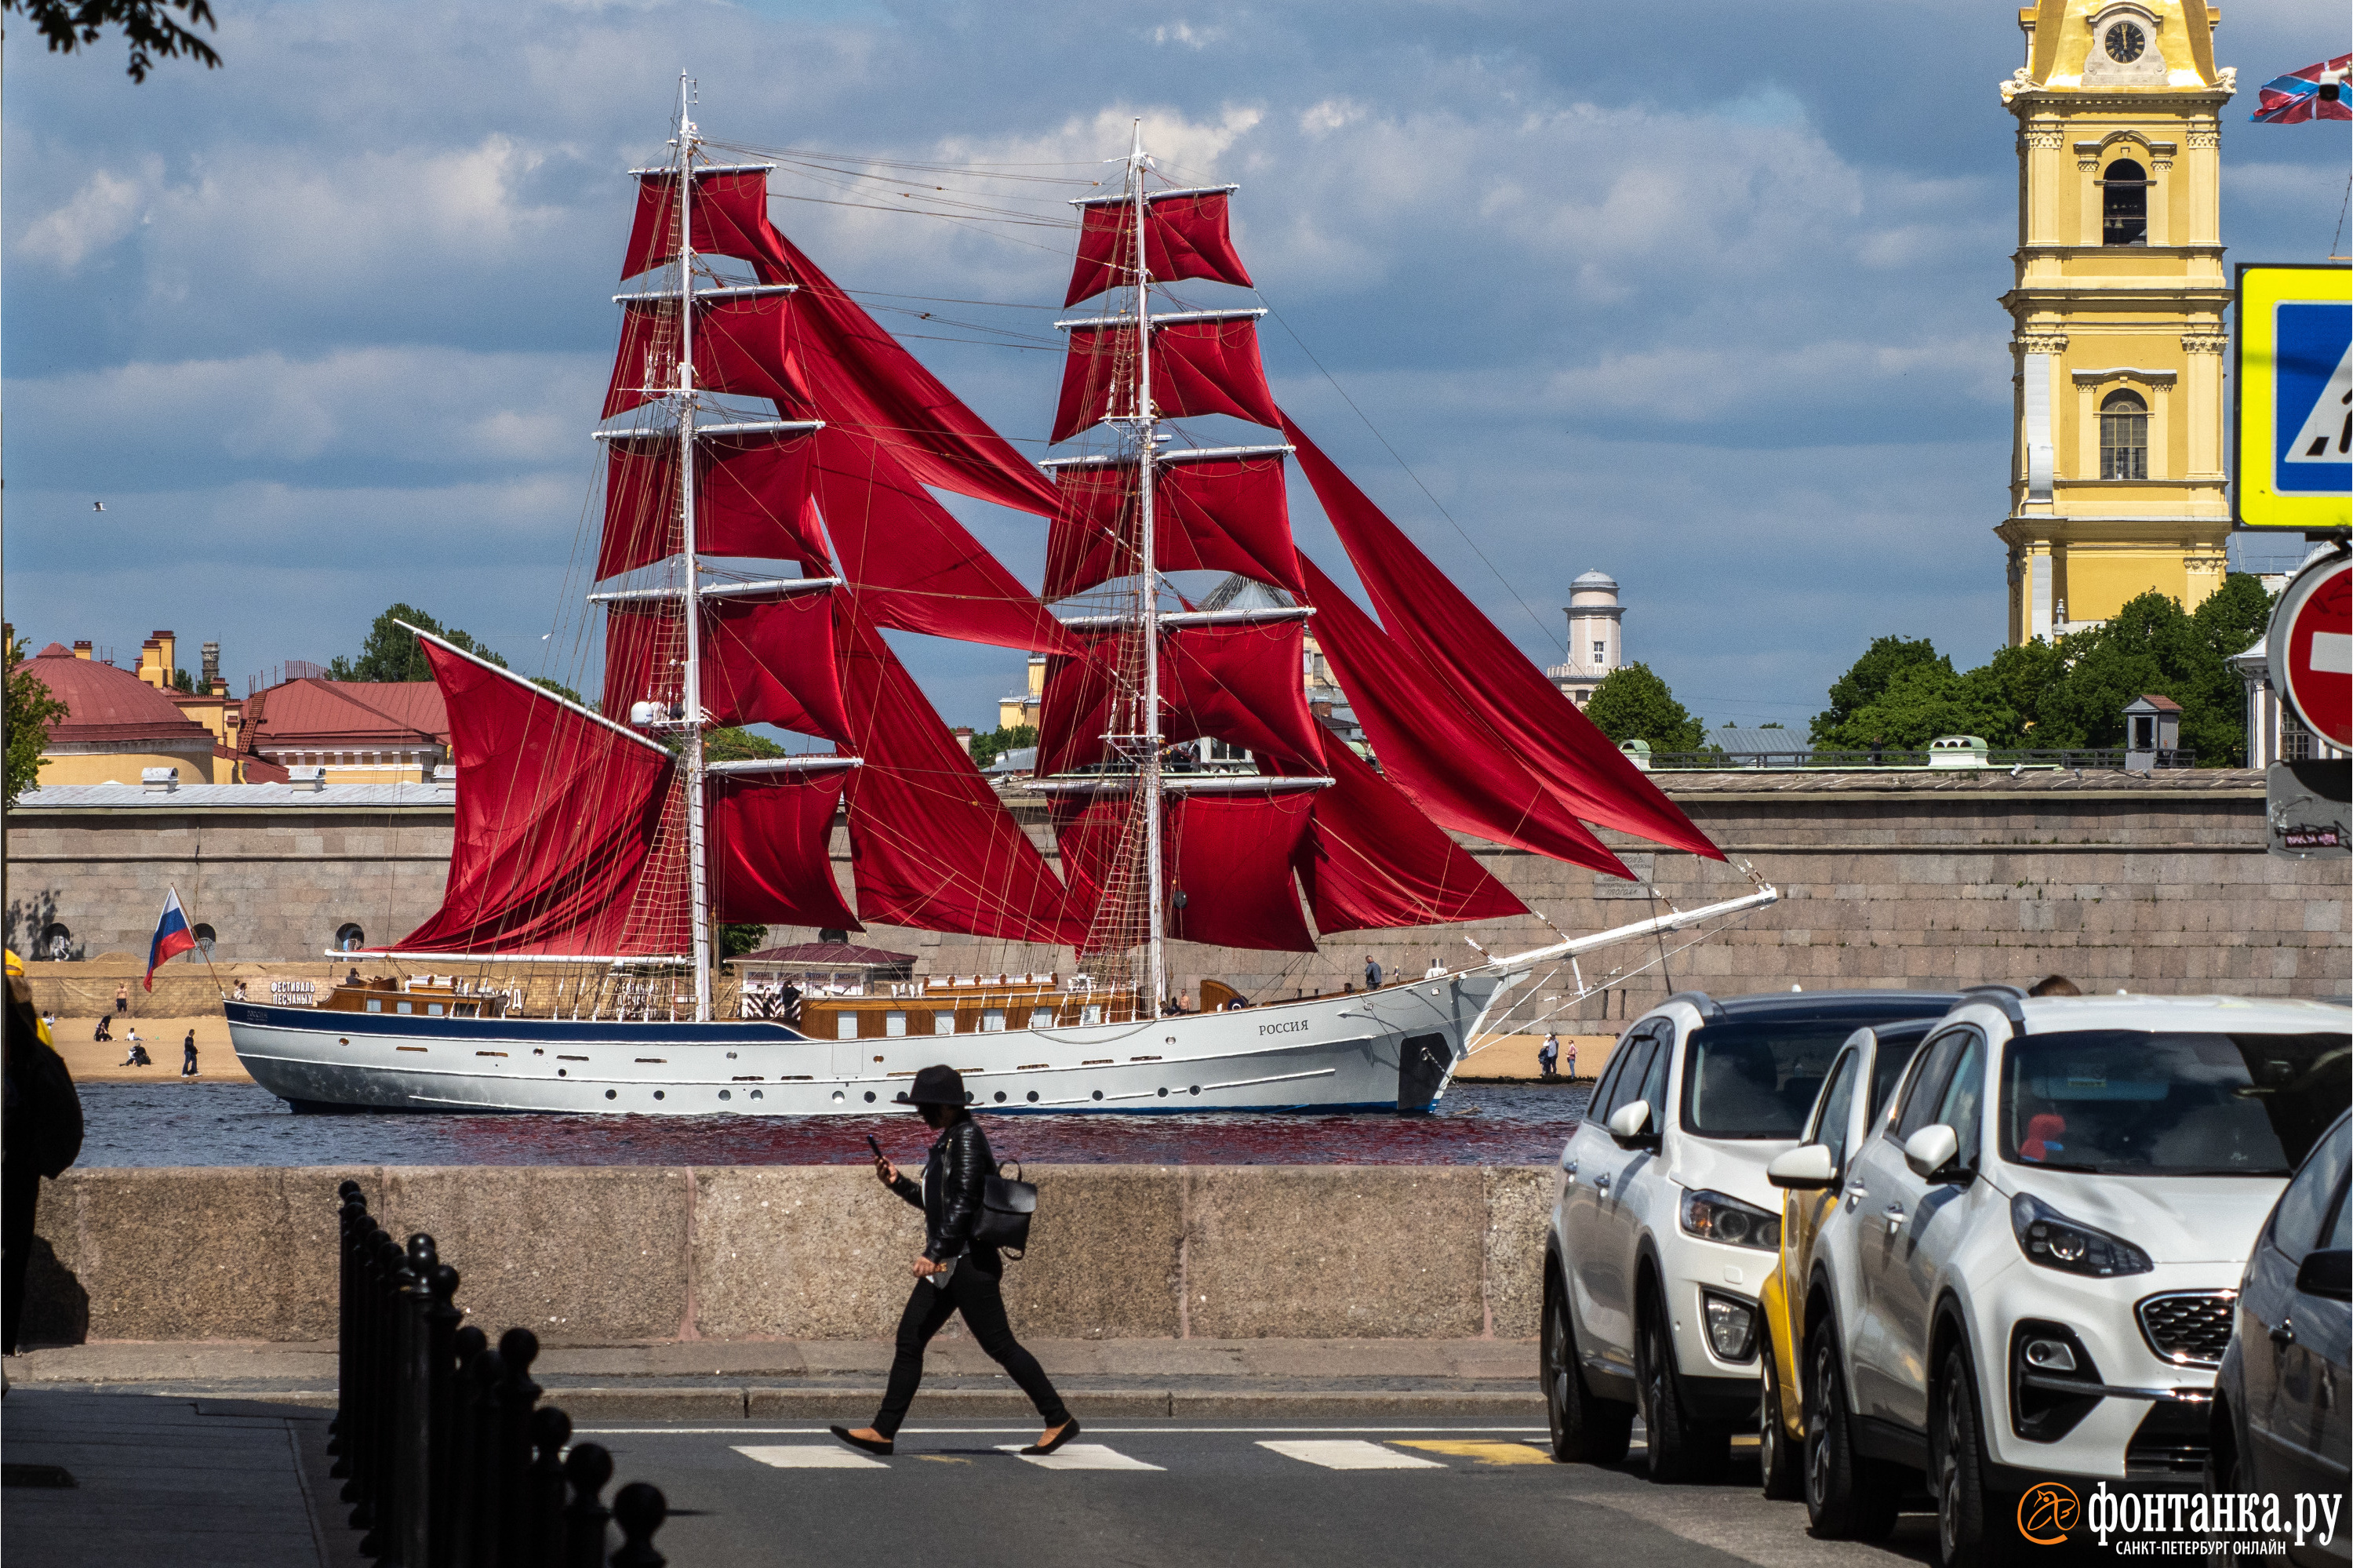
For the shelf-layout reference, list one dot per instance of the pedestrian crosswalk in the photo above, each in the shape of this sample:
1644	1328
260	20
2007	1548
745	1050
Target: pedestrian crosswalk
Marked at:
1324	1453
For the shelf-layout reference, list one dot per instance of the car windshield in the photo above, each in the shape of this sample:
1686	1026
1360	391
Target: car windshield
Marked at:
2131	1102
1758	1078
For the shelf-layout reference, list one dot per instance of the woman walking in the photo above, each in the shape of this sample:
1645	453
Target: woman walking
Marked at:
954	1274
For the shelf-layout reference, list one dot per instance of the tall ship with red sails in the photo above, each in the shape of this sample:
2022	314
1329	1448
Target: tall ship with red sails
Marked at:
598	849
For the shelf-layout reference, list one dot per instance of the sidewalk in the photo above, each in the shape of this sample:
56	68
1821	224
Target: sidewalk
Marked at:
827	1378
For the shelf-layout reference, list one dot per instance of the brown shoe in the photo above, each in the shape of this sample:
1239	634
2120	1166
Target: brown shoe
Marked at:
863	1445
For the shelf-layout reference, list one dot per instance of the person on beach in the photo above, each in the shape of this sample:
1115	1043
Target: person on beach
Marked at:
122	997
104	1032
1572	1061
188	1055
138	1057
238	994
953	1274
1549	1055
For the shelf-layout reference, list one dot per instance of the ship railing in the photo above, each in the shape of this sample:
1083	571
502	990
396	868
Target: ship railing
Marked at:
445	1452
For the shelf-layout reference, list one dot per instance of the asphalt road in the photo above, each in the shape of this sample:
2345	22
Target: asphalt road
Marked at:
1145	1493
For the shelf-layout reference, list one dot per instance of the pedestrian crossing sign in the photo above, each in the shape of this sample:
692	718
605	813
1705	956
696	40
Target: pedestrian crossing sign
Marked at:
2294	394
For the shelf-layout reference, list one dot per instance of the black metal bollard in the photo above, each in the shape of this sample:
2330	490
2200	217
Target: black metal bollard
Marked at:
367	1381
484	1500
349	1206
383	1541
518	1348
551	1429
413	1407
639	1509
442	1320
465	1346
586	1468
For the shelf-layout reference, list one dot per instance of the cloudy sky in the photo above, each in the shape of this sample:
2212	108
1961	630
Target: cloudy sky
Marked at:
1701	294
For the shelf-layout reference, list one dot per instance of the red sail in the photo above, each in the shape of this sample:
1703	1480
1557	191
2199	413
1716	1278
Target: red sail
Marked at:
930	845
1373	862
915	567
557	816
1430	750
751	499
862	381
730	210
1240	683
1472	668
1229	855
1184	236
1221	515
1198	367
771	850
764	661
743	344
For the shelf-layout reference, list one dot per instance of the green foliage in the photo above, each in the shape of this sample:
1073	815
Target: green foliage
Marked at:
393	653
1633	703
148	26
30	711
734	745
183	683
1902	694
1881	662
736	940
986	749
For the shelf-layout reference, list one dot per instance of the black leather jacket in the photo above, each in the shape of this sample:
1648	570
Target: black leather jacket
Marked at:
958	1164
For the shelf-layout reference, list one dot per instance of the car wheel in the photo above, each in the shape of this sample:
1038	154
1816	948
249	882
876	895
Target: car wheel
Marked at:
1968	1516
1777	1458
1595	1431
1680	1449
1847	1498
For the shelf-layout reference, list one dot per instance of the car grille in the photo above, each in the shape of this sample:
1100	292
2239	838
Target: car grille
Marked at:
2191	1327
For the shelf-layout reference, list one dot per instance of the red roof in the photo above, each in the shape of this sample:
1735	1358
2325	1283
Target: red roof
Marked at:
827	953
308	713
105	706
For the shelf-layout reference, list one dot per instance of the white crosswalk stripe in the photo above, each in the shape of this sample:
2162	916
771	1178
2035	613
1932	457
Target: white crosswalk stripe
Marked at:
1079	1456
1352	1454
809	1456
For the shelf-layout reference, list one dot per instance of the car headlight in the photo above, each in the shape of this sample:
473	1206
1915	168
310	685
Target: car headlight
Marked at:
2050	1238
1731	1325
1718	1217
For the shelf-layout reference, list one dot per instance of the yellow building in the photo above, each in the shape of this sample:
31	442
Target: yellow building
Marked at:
2116	479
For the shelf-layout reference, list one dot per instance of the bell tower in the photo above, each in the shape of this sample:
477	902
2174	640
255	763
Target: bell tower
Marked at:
2116	473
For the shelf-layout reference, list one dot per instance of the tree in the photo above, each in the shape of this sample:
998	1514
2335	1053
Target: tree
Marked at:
1922	701
2153	647
737	939
147	24
1633	704
986	749
393	653
735	744
1886	658
30	710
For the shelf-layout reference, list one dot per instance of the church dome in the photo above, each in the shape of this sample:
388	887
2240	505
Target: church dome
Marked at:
1596	579
107	705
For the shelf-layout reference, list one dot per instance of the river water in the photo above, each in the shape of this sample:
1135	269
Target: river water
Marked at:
172	1124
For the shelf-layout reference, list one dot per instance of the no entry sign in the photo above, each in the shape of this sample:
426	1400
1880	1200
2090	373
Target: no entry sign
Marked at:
2311	648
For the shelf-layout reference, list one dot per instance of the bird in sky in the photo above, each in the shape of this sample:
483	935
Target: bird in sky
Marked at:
98	506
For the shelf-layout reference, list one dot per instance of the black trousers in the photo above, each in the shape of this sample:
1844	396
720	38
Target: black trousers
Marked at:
981	1298
20	1196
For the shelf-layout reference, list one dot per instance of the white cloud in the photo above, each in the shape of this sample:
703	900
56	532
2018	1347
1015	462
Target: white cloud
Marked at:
103	211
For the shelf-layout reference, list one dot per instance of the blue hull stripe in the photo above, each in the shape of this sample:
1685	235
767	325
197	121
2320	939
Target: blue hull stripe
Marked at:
544	1031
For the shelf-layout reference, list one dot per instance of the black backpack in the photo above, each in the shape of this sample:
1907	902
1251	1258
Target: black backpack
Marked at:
1006	1207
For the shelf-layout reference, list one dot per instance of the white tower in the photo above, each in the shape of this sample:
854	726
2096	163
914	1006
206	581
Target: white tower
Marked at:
1594	648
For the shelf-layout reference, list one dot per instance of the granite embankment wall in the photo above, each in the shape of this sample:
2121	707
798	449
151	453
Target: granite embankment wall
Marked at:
619	1255
2153	882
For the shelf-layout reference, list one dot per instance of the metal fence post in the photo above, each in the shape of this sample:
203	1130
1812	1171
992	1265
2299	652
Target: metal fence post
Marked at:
544	1511
518	1348
350	1206
441	1325
587	1467
639	1509
484	1501
467	1346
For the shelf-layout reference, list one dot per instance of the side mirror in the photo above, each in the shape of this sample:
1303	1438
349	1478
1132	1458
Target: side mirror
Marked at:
1930	1149
1804	1169
2328	1274
1629	1123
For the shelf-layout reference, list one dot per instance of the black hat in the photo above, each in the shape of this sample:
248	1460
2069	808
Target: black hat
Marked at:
940	1085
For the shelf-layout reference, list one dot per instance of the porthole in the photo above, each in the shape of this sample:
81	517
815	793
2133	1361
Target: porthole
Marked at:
1000	1096
1194	1090
563	1071
610	1093
1098	1094
657	1094
723	1094
756	1095
1033	1097
869	1097
838	1095
1164	1094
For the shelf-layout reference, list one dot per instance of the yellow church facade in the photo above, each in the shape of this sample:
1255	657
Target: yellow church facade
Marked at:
2117	482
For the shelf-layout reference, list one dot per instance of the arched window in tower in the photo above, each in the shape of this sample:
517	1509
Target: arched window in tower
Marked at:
2123	204
2124	436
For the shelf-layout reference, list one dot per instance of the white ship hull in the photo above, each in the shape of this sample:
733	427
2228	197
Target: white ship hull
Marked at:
1394	1049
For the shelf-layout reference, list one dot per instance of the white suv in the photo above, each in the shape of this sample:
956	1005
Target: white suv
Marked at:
1667	1228
2031	1272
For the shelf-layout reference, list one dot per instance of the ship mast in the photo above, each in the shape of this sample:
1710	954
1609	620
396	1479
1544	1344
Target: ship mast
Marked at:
698	892
1147	595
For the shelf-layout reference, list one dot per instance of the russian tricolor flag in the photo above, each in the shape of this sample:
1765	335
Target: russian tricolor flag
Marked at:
173	936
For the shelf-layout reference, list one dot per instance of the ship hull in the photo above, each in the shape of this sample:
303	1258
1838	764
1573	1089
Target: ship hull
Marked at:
1391	1050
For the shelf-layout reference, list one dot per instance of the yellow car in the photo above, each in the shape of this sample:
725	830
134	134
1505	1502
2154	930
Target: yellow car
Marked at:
1809	1175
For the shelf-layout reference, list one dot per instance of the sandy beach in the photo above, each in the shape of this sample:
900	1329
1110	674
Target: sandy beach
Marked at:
100	1062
